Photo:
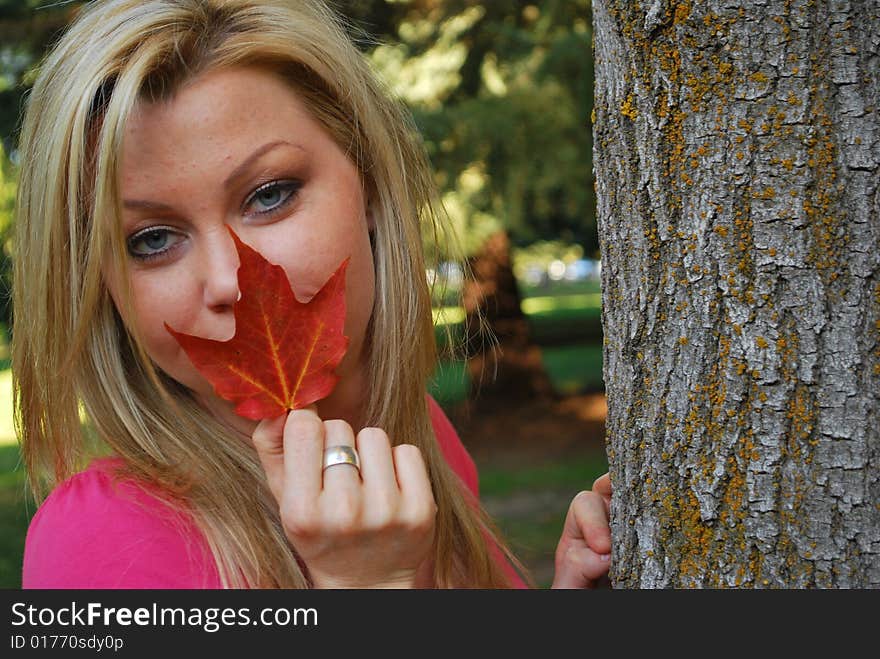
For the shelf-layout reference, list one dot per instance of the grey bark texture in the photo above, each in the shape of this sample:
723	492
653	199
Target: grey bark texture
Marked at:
737	161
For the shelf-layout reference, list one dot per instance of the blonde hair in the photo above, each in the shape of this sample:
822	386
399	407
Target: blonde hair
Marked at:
70	347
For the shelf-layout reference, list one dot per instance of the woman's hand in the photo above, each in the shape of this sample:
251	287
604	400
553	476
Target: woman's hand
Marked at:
371	529
583	554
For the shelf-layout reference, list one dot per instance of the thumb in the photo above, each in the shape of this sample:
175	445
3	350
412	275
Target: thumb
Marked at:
268	439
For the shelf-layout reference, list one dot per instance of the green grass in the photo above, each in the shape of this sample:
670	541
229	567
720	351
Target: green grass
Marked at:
560	321
561	288
576	474
16	508
575	317
572	369
580	302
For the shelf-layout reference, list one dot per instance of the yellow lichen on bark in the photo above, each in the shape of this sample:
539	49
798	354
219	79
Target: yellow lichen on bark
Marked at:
628	108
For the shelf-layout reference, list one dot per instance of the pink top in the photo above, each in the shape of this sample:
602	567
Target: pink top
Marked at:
95	531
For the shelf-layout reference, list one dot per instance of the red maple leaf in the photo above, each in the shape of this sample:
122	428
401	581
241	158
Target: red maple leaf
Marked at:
284	351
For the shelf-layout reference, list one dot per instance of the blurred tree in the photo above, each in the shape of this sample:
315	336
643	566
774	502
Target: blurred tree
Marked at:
738	178
501	92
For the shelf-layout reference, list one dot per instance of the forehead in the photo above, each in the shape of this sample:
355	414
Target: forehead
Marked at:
219	104
212	125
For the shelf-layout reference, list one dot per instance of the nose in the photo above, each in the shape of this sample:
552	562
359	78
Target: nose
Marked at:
220	271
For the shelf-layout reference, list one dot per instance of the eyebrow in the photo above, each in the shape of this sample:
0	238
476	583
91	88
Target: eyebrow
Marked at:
140	204
258	153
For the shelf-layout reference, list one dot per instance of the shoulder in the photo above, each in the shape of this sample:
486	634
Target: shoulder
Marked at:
97	530
453	450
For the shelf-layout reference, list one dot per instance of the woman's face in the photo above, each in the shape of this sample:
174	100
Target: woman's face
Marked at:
236	147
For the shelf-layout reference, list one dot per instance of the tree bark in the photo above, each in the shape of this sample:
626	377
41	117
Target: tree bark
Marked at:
737	160
510	370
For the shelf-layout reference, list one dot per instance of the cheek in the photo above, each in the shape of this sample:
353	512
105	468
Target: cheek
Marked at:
359	285
154	304
312	252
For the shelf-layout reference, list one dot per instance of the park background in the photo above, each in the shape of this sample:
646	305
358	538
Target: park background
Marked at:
502	94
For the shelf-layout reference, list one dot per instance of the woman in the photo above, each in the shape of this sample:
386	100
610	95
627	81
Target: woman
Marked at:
153	127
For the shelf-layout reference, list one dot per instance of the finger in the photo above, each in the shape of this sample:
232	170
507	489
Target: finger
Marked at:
587	520
580	567
415	486
338	433
304	450
602	486
377	463
268	439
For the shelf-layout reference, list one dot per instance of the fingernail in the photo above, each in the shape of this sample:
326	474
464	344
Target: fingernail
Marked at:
605	557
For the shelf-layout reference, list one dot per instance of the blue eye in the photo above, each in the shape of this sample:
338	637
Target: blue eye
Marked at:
272	196
152	242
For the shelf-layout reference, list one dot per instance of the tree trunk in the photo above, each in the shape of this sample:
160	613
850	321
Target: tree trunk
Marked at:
512	370
737	157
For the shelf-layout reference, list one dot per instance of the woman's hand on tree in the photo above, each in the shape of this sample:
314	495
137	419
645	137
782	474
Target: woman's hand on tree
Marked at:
372	529
583	554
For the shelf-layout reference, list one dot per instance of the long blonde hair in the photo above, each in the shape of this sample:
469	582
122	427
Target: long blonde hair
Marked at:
72	351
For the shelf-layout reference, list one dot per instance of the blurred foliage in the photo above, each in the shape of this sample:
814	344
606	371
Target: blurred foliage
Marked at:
27	28
502	93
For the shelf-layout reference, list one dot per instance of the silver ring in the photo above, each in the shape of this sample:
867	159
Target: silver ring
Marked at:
341	455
